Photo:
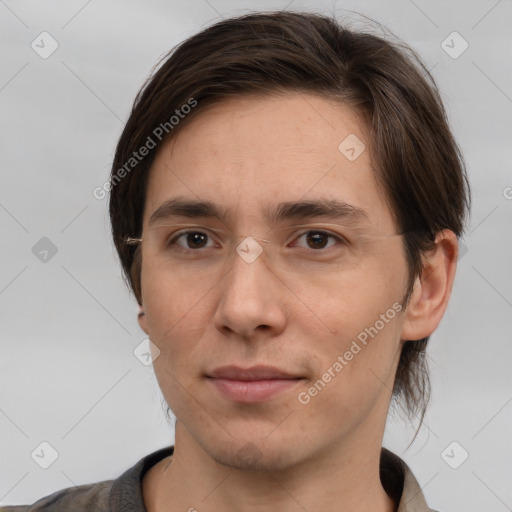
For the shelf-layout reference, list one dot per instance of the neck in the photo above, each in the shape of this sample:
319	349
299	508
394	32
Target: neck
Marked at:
344	478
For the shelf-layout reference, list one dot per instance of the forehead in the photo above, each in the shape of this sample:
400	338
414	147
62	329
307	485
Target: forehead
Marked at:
247	153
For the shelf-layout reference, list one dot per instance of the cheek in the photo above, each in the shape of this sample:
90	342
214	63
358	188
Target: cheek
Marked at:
176	313
349	303
355	369
176	319
360	348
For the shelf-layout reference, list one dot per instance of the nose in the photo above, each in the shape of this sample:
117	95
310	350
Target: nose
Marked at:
252	298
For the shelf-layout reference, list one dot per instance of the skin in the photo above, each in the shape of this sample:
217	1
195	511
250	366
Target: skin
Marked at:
244	154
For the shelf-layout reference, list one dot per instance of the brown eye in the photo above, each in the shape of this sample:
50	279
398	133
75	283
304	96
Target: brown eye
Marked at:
196	239
317	239
193	240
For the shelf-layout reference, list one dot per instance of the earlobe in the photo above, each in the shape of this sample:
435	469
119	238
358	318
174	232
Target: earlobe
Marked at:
141	317
432	288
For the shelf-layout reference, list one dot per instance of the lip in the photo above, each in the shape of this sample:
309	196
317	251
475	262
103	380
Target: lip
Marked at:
251	385
259	372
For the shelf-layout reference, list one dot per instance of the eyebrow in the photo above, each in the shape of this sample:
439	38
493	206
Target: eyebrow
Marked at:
326	209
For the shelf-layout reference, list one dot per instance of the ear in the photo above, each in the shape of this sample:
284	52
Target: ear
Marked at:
141	317
432	288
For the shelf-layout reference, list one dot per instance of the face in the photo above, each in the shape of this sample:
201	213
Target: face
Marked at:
315	298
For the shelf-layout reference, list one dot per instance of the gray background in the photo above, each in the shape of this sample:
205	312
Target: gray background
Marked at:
68	375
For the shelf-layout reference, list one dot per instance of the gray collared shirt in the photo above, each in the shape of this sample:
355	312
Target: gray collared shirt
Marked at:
125	493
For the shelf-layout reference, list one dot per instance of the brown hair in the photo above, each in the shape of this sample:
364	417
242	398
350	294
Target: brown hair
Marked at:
417	161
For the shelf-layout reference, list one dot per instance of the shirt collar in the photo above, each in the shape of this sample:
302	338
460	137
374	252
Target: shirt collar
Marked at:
400	483
396	476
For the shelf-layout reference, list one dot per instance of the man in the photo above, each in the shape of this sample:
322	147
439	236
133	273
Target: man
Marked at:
286	199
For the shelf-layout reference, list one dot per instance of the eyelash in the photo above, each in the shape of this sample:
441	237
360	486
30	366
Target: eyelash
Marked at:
339	238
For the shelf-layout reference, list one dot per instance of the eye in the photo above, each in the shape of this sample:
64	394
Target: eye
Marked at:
192	240
317	239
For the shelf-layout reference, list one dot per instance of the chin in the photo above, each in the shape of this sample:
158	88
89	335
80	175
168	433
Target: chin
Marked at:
255	455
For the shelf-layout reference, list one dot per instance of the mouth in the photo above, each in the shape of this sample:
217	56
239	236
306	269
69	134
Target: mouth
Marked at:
252	385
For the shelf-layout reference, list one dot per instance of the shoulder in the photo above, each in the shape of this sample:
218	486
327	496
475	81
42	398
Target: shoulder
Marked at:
80	498
119	495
